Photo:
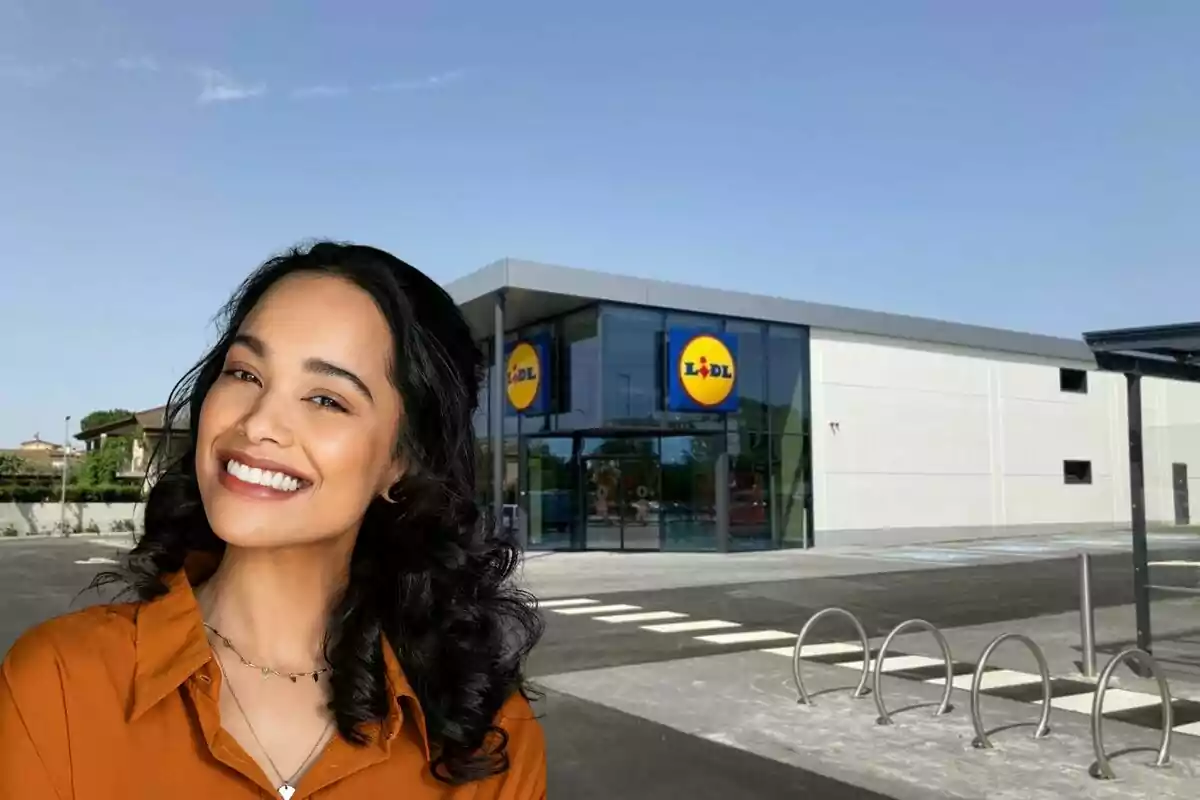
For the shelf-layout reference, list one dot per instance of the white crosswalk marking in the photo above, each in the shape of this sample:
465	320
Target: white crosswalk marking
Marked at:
568	602
692	626
597	609
643	616
744	637
817	650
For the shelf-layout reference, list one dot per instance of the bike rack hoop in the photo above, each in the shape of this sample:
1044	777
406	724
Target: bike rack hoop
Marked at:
981	737
1103	768
861	689
943	707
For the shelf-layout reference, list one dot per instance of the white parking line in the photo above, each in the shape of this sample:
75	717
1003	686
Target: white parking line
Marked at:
1114	700
694	625
897	663
643	616
996	679
569	602
1191	729
597	609
97	560
744	637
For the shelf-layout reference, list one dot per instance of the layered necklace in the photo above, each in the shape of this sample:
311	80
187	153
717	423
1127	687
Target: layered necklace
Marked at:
286	785
266	671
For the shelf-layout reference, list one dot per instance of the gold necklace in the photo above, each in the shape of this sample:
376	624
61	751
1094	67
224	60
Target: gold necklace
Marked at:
266	671
287	787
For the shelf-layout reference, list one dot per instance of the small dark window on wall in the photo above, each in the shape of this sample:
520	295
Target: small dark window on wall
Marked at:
1077	472
1073	380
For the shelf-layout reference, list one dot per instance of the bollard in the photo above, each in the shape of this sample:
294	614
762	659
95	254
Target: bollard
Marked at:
1087	617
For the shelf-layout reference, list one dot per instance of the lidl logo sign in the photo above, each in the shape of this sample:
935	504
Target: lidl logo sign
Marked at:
525	376
703	371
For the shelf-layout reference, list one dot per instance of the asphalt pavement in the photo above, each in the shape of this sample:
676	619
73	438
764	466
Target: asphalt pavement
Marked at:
597	751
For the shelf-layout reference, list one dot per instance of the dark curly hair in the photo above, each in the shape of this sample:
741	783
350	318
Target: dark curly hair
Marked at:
429	570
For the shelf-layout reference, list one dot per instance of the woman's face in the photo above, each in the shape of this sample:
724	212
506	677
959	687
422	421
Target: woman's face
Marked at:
297	436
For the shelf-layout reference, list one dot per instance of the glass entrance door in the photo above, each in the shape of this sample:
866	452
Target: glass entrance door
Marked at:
640	529
621	498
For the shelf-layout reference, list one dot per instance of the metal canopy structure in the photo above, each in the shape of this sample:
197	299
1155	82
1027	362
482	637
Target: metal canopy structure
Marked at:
1171	352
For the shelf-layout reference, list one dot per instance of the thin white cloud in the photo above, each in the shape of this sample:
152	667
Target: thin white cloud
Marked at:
428	82
318	91
218	87
137	64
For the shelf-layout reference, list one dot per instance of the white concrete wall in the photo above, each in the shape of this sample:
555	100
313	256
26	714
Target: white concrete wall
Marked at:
929	436
1170	434
43	518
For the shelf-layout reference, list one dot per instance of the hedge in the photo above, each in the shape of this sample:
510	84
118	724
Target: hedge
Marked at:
15	493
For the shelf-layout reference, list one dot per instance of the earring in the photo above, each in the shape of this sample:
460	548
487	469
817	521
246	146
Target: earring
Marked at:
387	495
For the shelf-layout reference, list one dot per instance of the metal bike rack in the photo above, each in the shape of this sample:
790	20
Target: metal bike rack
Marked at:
981	737
861	690
1164	692
944	707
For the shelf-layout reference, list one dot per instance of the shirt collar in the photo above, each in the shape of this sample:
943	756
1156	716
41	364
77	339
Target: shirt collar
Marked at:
171	646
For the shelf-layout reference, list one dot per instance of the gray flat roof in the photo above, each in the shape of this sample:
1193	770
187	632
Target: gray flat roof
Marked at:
534	292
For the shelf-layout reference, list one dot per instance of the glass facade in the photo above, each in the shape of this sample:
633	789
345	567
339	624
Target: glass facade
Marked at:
608	466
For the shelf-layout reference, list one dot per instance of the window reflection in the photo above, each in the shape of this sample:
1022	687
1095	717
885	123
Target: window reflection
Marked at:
688	509
787	373
549	495
751	374
632	364
578	367
791	489
749	491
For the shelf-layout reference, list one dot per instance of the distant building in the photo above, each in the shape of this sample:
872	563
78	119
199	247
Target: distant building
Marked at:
150	440
38	457
38	444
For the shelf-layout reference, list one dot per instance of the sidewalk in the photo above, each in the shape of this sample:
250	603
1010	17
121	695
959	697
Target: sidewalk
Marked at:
747	701
561	574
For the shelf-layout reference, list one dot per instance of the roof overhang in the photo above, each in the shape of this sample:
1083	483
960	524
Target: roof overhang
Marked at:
1164	351
534	292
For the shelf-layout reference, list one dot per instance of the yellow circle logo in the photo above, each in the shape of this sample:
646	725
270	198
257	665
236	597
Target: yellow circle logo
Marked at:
524	375
706	370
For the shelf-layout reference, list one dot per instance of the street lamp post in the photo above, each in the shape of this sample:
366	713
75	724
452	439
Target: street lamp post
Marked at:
62	517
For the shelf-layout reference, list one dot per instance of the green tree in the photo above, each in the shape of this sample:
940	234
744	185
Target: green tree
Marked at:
97	419
101	466
12	464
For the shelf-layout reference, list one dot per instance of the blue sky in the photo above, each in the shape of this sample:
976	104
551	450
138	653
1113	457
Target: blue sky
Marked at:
1023	164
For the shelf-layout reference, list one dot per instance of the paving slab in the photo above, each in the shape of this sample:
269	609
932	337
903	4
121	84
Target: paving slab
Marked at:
747	701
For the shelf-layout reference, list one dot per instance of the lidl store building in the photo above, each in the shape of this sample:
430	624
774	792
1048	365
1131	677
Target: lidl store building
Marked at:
630	414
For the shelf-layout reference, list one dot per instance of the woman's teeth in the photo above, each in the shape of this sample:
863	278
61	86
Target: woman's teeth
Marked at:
262	477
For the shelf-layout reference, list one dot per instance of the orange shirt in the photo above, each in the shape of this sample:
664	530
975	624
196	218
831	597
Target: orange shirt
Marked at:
120	702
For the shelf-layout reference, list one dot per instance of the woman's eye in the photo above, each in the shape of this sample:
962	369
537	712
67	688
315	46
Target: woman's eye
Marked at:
327	402
241	375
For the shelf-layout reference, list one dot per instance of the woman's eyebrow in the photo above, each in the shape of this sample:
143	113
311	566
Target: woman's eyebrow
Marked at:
317	366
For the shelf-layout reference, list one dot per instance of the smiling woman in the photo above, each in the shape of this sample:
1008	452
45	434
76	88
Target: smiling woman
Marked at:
320	609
